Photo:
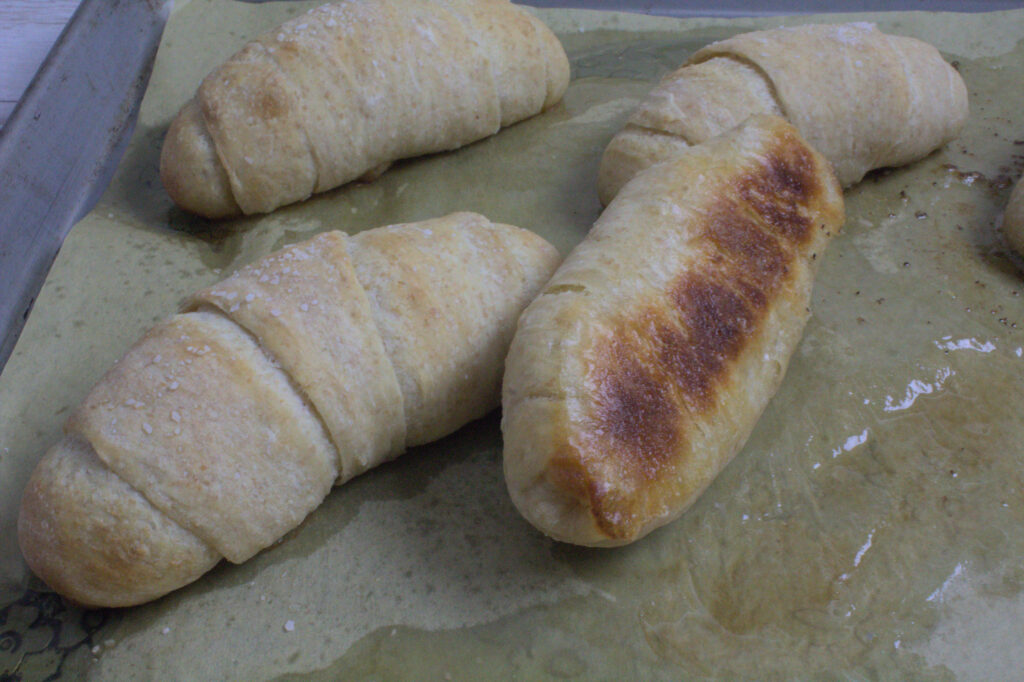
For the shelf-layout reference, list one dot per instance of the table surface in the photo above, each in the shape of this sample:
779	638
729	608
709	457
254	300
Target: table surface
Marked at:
28	28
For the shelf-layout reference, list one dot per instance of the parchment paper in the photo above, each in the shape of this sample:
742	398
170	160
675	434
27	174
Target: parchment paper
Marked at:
873	527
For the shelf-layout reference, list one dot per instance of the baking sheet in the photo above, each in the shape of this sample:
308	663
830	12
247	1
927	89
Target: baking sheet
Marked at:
872	527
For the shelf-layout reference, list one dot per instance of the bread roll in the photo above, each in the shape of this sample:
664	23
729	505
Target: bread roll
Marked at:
862	98
345	89
223	427
641	369
1013	219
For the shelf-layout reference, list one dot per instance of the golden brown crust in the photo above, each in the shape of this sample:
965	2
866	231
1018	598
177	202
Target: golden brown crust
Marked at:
641	370
347	88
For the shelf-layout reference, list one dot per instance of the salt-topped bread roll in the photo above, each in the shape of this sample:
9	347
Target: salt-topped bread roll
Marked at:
223	427
345	89
641	369
861	97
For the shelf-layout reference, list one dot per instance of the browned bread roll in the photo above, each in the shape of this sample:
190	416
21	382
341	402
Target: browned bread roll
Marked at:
345	89
222	428
641	369
862	98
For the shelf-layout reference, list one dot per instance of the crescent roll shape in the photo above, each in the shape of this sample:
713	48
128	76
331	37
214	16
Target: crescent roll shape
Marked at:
863	98
345	89
225	425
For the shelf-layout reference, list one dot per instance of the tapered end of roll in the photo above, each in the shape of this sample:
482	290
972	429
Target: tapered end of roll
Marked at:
190	170
94	539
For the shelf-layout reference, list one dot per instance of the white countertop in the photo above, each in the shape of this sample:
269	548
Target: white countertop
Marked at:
28	29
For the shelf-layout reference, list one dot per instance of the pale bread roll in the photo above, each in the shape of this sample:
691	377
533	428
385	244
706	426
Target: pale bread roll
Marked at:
1013	219
345	89
222	428
641	369
863	98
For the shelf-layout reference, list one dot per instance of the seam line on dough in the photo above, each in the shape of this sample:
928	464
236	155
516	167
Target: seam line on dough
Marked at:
567	288
272	359
75	435
305	131
229	172
769	83
636	127
380	337
219	156
551	83
544	396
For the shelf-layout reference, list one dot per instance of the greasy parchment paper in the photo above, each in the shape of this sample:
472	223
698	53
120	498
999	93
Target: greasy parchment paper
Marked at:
872	527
